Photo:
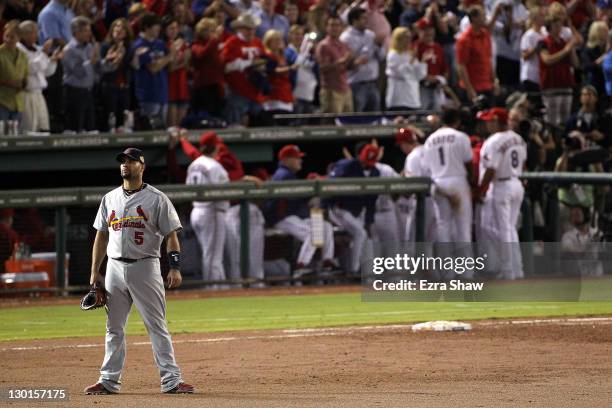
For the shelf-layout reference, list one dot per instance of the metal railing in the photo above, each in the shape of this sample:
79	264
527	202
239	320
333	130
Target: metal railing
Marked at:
61	199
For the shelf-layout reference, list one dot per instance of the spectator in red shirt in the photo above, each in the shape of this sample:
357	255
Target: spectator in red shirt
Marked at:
557	60
280	98
431	53
159	7
335	59
178	91
244	65
474	56
207	68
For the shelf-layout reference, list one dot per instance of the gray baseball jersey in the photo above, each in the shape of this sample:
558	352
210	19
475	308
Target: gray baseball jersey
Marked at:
137	223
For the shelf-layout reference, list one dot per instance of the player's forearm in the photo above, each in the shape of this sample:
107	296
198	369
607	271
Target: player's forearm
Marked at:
486	180
99	251
172	243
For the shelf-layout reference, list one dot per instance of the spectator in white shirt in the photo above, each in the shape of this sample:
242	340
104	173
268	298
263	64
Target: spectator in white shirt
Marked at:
367	50
42	63
404	72
530	62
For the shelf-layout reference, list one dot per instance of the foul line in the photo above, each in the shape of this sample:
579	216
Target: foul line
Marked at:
330	331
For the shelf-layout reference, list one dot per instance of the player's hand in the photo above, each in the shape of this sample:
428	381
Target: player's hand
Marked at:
174	278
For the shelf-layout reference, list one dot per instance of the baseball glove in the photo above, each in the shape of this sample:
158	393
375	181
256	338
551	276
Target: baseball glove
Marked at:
95	298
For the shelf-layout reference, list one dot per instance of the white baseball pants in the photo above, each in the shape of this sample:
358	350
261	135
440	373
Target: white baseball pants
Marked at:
208	224
301	229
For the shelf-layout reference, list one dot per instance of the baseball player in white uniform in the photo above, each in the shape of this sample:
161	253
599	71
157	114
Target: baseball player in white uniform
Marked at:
447	154
502	159
132	221
208	217
414	166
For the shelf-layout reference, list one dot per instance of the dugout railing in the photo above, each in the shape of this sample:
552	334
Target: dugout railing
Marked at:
60	200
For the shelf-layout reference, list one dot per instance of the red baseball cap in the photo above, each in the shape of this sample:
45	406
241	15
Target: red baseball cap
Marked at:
423	23
210	139
369	155
405	135
498	114
290	151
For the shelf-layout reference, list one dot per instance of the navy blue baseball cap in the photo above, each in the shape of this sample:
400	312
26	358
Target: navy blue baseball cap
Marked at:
131	153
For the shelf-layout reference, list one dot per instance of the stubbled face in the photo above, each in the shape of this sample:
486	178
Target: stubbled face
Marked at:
131	169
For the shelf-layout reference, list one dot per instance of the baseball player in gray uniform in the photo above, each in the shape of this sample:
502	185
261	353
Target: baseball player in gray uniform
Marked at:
132	221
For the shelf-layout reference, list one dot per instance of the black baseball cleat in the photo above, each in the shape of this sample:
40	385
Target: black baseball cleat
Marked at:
97	389
182	388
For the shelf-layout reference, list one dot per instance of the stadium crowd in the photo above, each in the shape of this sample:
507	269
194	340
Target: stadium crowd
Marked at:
106	65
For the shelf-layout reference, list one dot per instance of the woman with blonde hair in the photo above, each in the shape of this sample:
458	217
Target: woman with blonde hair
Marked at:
404	72
593	54
280	97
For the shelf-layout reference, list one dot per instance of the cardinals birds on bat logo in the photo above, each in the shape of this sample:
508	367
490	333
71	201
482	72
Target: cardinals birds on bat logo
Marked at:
141	212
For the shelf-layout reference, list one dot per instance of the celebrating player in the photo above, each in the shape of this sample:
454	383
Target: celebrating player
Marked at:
448	155
502	158
132	221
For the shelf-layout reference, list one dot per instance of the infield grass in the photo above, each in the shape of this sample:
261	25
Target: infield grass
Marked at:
275	312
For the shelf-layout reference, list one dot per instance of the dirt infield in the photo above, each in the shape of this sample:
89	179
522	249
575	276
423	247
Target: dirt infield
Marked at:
550	363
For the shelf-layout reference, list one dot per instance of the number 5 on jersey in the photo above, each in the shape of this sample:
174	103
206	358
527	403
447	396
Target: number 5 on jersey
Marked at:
138	237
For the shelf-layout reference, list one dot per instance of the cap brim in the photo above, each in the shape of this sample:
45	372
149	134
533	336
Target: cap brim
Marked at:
121	156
